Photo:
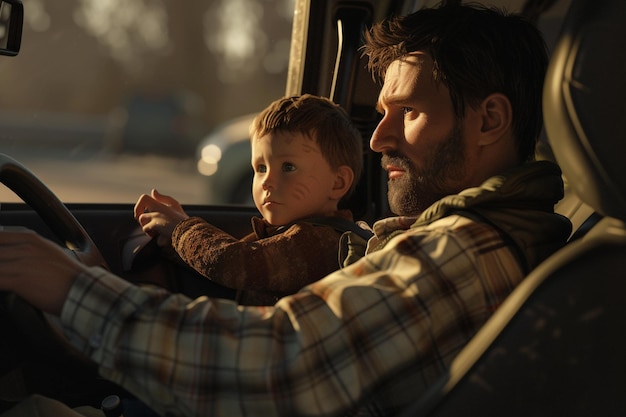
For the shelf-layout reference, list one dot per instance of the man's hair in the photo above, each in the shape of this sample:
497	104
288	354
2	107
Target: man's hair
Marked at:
319	119
476	51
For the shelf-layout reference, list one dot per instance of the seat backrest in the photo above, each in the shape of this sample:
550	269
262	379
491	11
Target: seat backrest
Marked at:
557	345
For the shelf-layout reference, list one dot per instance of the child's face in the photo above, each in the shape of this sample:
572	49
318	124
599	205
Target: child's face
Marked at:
292	180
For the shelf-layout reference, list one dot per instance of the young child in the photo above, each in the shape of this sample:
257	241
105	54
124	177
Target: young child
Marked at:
306	157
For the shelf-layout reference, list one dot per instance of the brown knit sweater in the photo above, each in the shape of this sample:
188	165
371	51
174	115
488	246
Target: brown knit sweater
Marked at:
267	264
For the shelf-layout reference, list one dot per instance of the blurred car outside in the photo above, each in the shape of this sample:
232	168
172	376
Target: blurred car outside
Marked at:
162	123
224	160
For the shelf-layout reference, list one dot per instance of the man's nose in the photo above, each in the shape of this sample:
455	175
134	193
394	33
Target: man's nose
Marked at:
386	134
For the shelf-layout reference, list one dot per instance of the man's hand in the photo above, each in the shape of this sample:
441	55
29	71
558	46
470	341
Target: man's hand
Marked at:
36	269
158	214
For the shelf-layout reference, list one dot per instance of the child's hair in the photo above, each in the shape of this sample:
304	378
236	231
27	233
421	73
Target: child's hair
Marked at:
319	119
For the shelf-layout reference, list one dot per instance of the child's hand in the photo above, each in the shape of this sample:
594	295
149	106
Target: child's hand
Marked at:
158	214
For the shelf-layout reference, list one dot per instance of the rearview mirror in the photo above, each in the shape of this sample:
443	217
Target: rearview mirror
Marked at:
11	20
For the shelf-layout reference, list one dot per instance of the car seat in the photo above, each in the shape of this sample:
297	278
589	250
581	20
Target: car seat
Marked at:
557	345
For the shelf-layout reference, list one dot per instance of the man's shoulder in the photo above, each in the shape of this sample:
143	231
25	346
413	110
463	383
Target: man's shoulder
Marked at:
452	245
464	232
458	226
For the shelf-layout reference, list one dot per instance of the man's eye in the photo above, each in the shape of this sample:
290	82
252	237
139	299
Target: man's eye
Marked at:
287	167
406	110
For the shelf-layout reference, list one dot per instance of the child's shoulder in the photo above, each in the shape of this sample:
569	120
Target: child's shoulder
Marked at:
342	223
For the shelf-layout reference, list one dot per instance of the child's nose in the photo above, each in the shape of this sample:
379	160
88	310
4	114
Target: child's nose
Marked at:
268	182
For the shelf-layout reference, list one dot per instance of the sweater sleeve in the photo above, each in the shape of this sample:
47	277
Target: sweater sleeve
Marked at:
281	263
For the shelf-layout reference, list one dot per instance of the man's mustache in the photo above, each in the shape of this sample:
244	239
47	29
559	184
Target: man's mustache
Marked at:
395	158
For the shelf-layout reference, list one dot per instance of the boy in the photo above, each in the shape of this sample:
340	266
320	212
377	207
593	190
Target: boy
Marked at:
306	157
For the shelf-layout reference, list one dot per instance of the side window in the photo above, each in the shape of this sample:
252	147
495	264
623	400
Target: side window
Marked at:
107	100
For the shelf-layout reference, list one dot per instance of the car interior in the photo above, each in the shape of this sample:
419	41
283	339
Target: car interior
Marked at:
554	347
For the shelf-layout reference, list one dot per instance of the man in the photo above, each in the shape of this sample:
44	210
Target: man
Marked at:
461	114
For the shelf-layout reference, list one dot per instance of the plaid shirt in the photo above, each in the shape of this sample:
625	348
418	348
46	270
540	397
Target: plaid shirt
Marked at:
414	303
381	329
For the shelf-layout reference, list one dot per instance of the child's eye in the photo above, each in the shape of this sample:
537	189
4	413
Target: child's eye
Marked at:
288	167
261	168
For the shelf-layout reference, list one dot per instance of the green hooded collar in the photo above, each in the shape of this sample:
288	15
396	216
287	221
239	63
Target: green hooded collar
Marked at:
519	202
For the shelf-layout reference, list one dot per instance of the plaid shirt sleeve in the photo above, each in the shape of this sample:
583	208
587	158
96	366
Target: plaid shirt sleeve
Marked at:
404	310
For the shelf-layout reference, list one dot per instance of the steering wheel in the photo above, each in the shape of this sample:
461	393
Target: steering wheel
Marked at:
51	210
34	325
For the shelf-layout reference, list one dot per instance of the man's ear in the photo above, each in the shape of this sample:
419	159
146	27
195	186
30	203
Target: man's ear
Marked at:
497	118
344	176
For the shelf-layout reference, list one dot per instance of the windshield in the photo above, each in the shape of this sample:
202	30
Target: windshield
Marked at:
108	99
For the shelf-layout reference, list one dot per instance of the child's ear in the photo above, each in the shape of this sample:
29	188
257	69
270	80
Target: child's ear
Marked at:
344	176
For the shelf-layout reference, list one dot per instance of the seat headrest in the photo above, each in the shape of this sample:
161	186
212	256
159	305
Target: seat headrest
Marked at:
584	103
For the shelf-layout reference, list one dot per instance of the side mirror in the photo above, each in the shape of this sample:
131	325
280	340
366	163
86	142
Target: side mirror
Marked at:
11	21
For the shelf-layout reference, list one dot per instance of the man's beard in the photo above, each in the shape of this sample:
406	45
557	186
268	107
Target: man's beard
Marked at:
443	170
